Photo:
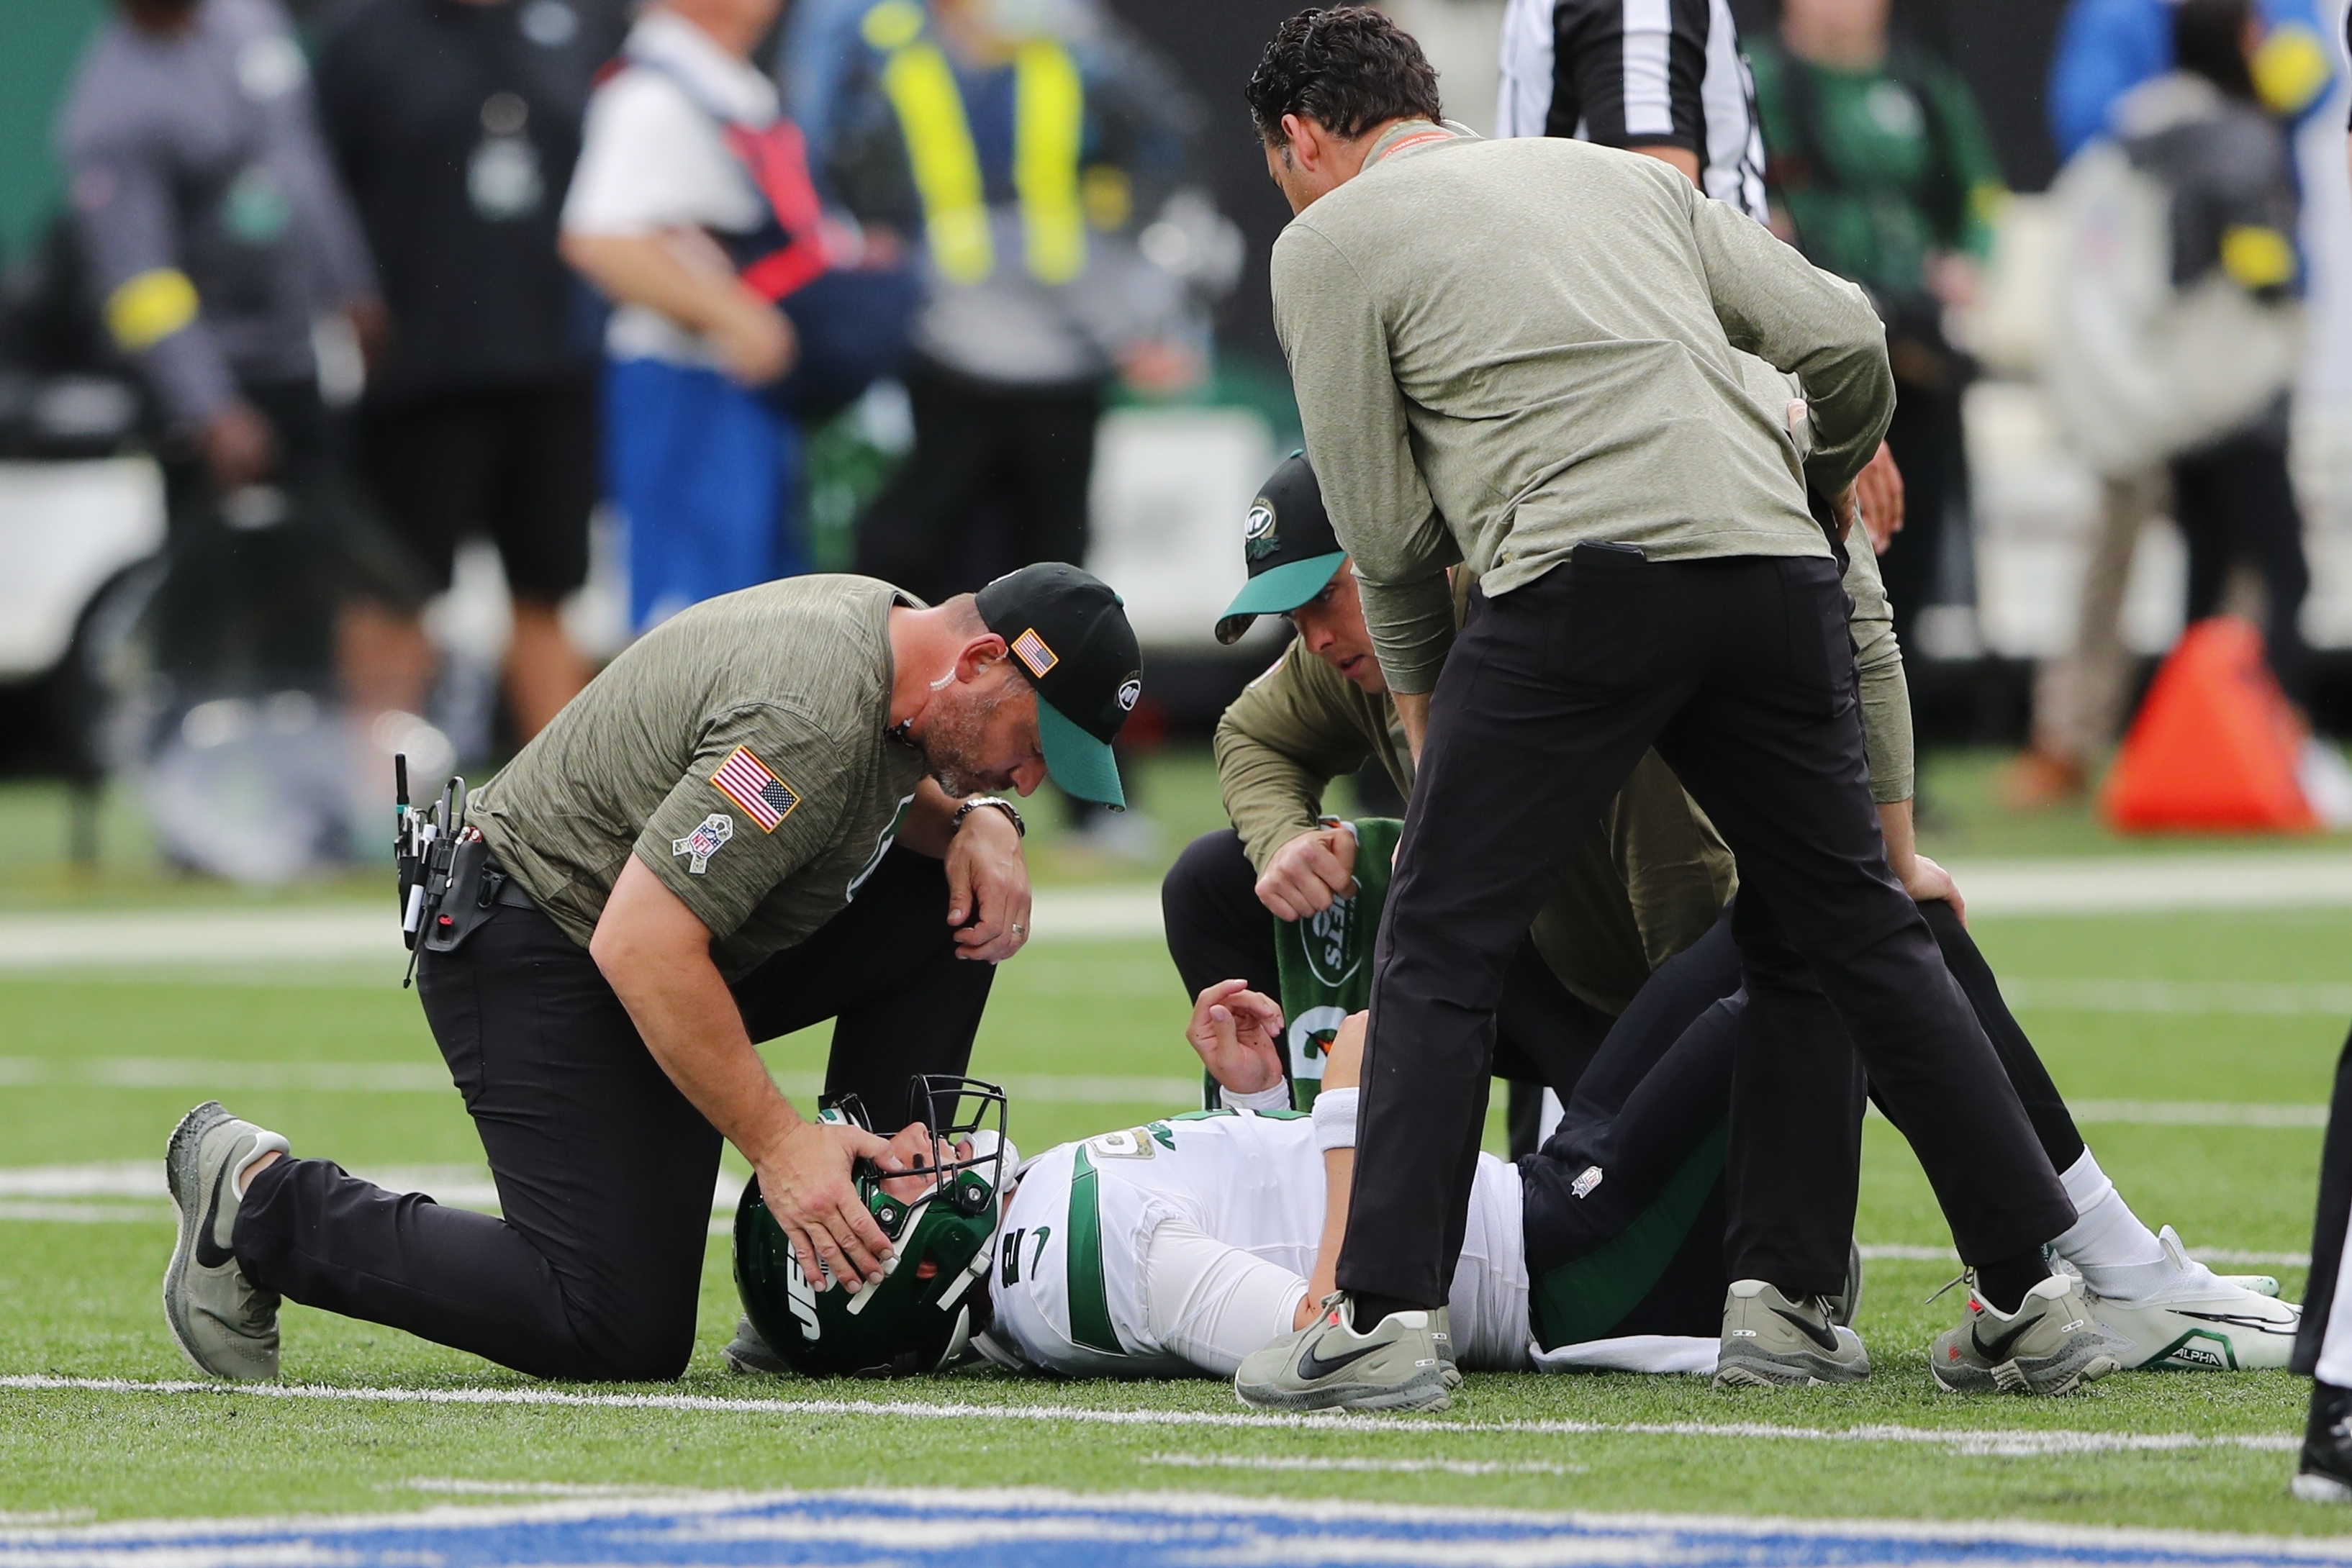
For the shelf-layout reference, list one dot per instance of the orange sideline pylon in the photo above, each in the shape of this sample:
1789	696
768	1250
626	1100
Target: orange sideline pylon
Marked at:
2214	747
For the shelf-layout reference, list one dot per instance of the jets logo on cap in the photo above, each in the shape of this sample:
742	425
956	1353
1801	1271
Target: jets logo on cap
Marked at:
1258	537
1131	692
1034	652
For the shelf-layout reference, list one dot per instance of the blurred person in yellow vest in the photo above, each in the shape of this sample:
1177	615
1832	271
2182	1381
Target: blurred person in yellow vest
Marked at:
1023	146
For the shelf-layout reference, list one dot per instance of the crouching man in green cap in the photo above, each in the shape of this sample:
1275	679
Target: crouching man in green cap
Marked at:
773	810
1289	898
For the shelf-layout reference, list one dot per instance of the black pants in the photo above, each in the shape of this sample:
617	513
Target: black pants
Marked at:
516	465
1930	449
997	480
1217	930
1740	671
1641	1250
605	1172
2328	1228
2235	501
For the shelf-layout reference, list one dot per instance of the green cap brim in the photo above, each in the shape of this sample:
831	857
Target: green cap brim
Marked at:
1277	592
1079	763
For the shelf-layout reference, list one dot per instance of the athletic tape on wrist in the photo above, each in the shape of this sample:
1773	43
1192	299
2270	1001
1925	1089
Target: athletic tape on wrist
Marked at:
1335	1119
1277	1098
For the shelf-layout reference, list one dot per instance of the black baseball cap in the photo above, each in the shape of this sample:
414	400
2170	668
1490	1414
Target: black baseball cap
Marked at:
1291	548
1069	635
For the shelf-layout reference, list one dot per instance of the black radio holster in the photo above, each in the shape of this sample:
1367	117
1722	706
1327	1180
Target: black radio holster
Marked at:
471	898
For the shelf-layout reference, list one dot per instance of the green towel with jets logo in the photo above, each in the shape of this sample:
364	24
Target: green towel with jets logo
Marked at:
1326	962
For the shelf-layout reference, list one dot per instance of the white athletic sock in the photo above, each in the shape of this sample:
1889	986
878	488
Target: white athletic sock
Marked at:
2118	1256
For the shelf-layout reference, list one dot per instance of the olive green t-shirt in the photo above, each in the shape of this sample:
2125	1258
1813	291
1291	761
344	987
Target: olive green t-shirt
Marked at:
740	749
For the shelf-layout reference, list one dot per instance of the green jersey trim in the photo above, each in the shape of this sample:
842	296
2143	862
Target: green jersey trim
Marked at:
1587	1297
1089	1302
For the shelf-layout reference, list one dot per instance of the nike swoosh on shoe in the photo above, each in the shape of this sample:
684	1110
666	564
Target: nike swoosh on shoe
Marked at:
1826	1338
1998	1351
1313	1368
211	1254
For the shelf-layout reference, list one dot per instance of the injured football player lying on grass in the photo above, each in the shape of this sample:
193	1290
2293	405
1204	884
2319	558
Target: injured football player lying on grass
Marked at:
1178	1247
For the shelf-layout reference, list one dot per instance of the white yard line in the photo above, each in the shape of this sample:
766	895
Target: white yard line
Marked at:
110	1191
308	936
2186	1113
215	1077
2280	999
2159	883
1376	1466
362	934
2001	1442
1909	1252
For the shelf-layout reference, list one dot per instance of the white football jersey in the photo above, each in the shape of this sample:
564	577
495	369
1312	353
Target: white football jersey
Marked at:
1179	1247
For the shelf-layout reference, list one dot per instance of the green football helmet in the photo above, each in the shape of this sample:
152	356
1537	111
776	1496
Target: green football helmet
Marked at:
920	1318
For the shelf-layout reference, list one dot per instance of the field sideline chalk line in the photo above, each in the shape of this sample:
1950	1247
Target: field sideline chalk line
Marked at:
346	932
939	1526
2003	1442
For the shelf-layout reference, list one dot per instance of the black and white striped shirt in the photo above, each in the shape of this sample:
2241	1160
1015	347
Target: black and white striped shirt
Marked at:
1631	73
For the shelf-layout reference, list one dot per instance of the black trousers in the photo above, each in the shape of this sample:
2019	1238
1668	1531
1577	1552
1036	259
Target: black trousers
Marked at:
1622	1257
1740	672
1931	449
605	1172
997	480
517	465
2235	501
2327	1228
1217	930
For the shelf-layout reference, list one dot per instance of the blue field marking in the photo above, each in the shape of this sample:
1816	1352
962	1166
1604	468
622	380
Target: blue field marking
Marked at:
956	1529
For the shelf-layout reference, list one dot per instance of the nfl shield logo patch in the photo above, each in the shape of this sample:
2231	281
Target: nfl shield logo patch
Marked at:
706	841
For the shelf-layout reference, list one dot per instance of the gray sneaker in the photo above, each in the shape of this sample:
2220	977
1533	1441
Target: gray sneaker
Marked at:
2052	1344
1846	1305
1404	1363
225	1325
748	1354
1771	1342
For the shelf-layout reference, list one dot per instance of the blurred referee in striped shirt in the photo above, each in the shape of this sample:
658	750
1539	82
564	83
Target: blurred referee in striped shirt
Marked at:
1660	77
1663	77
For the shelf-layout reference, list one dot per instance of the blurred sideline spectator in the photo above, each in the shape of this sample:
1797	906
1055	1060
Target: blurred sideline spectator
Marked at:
817	56
456	124
1023	142
2107	48
2177	333
2235	204
703	466
215	238
1885	176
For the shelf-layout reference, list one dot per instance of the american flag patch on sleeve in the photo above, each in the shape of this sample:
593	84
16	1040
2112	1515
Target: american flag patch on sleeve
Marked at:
745	779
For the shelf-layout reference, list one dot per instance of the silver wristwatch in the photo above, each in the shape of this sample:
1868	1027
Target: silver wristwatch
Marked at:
1020	828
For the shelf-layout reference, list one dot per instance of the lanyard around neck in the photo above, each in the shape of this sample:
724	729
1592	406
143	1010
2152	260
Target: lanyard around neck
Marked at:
1419	138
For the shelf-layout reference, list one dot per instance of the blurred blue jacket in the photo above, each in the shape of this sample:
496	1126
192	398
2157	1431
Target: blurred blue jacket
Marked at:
2107	48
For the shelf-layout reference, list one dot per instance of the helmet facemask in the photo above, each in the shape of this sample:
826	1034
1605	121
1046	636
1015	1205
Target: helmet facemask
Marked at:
920	1318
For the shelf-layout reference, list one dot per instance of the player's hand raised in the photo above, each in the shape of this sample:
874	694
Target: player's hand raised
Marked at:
1238	1036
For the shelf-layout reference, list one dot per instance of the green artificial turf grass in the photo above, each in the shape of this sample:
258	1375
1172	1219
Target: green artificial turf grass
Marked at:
78	1299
